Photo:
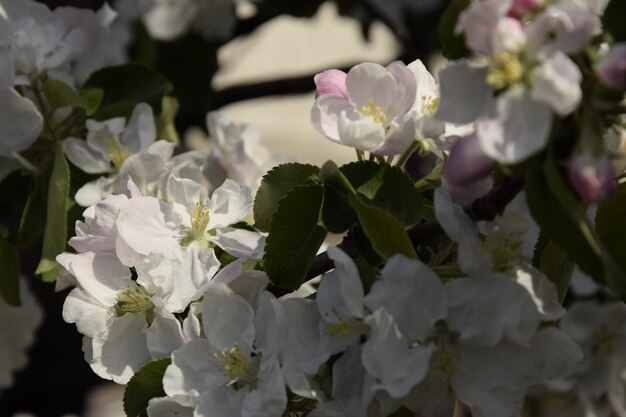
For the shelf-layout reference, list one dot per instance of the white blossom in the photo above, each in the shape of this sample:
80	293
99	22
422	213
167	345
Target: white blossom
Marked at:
377	109
235	370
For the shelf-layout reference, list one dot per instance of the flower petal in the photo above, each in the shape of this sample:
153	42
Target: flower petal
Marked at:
515	127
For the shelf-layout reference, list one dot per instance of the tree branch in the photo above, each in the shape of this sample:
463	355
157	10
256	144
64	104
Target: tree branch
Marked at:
290	85
484	208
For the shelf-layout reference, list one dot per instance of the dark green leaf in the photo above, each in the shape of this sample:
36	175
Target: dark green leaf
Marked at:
364	247
58	94
613	20
557	266
611	227
294	236
33	219
565	225
55	236
147	383
562	218
452	44
385	232
92	98
384	186
337	214
130	83
275	186
9	273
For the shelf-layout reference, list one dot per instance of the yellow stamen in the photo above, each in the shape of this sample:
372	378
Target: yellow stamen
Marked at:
505	254
506	70
119	153
375	111
134	300
430	104
240	369
199	213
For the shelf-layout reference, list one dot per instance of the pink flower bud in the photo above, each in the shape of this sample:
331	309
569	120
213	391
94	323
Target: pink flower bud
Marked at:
331	81
520	7
612	67
467	162
592	177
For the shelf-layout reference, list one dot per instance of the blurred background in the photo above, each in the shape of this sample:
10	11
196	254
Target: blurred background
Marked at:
260	71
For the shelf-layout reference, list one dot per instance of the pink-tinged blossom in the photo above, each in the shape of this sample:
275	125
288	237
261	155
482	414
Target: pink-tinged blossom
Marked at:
592	177
379	109
521	7
523	78
612	67
467	162
331	81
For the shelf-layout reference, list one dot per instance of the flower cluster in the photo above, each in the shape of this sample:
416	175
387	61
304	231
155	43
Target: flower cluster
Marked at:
450	286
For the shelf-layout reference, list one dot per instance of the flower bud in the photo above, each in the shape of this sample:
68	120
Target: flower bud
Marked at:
612	67
467	162
520	7
331	81
592	177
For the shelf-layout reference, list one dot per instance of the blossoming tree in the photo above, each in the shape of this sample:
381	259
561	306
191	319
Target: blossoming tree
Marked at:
480	200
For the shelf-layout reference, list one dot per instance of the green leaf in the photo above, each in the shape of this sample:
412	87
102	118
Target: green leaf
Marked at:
33	219
9	273
147	383
385	232
55	236
275	185
452	44
58	94
562	218
166	129
92	98
611	227
557	266
613	20
294	236
337	214
129	84
384	186
565	225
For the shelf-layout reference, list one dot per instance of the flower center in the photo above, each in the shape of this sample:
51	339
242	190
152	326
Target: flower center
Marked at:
603	341
430	104
240	369
134	300
339	330
343	328
505	253
444	359
375	111
506	70
199	213
119	153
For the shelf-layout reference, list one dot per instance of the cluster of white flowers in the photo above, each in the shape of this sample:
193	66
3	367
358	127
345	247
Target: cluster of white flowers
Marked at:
36	44
167	264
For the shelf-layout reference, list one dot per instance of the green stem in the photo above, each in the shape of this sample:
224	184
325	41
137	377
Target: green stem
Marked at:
407	153
43	109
